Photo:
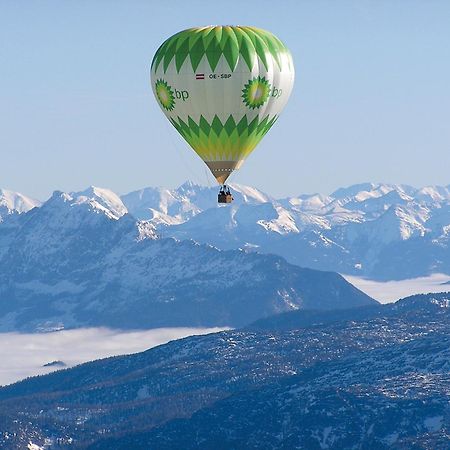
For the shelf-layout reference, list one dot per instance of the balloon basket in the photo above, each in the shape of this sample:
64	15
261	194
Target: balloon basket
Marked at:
224	195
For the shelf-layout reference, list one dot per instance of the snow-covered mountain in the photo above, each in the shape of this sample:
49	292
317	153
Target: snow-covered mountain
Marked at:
12	206
101	200
174	206
379	231
382	231
15	203
81	260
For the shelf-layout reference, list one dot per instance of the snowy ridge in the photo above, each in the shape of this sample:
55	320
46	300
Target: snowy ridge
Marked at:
362	230
81	260
174	206
356	230
15	203
101	200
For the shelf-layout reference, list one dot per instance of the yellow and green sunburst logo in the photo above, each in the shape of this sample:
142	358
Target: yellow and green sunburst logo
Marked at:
256	92
165	95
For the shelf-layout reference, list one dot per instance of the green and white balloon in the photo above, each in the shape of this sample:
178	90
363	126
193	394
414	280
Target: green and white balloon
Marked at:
222	87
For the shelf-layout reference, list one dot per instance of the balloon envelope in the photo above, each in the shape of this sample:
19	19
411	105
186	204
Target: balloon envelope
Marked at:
222	88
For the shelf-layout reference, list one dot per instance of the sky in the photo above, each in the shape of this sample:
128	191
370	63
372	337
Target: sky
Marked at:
371	100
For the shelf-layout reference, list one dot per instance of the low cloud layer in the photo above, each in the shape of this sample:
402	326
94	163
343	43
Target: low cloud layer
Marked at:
23	355
390	291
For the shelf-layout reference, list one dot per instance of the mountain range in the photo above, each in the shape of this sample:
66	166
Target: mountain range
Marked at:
378	231
315	363
373	377
80	259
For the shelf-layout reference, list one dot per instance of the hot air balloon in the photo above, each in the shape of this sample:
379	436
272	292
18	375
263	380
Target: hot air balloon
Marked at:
222	88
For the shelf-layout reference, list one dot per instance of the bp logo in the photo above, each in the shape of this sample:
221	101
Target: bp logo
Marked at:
165	95
256	92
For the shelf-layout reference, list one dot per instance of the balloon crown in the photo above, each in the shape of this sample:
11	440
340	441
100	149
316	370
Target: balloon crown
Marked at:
233	42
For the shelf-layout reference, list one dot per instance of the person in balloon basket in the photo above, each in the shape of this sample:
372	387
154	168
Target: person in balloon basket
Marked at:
225	195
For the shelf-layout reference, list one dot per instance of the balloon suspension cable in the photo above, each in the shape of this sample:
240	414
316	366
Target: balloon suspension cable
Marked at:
231	176
207	177
180	153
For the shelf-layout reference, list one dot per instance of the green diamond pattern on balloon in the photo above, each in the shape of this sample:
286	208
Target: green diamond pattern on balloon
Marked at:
256	92
223	141
248	43
165	95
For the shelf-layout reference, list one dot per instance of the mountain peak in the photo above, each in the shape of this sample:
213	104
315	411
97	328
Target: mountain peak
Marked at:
353	190
433	194
15	203
101	199
60	195
189	184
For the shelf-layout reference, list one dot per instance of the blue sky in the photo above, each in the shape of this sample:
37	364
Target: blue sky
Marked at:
371	100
